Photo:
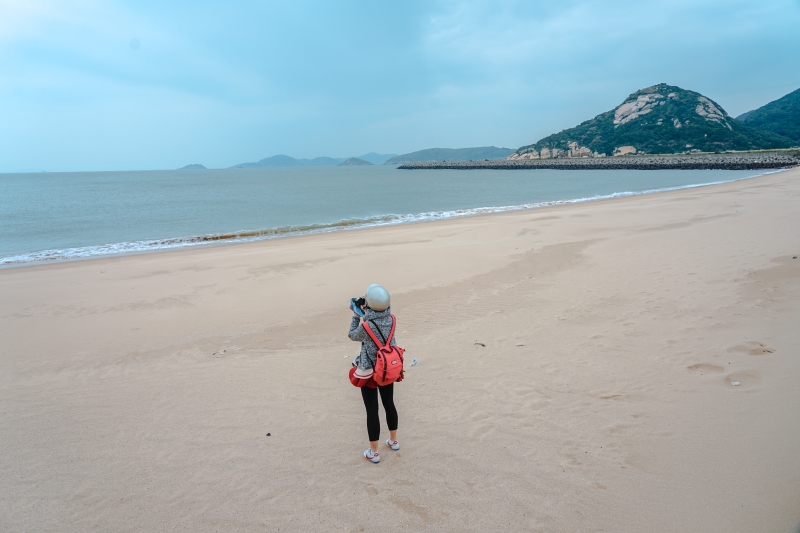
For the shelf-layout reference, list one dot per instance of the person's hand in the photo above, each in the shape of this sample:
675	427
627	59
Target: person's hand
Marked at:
358	306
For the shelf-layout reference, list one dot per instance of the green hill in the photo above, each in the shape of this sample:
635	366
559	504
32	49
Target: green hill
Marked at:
657	120
781	116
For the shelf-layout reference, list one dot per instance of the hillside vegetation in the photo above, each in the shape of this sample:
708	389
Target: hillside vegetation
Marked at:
660	119
781	116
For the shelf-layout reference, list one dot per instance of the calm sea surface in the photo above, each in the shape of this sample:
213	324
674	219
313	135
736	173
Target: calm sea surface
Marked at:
57	216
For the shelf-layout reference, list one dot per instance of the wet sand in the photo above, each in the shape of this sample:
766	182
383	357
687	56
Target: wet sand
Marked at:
577	371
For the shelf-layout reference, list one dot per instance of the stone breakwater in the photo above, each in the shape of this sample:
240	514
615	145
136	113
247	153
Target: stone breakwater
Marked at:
752	161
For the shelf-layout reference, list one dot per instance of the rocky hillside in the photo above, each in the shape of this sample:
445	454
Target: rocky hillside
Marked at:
661	119
781	116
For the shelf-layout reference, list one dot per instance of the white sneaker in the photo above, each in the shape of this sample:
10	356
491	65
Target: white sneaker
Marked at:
393	444
374	457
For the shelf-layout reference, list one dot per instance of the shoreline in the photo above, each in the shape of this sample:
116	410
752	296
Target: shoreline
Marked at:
245	237
610	355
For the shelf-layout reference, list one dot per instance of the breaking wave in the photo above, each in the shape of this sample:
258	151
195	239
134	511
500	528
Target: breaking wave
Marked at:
122	248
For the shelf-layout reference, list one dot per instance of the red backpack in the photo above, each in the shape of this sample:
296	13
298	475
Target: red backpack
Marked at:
389	359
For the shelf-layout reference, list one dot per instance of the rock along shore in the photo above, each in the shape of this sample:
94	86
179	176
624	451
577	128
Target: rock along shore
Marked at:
748	161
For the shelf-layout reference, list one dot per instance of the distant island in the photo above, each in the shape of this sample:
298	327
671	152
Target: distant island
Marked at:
662	119
451	154
285	161
194	166
354	162
372	158
376	159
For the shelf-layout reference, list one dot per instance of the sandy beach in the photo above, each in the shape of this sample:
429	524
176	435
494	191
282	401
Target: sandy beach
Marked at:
625	365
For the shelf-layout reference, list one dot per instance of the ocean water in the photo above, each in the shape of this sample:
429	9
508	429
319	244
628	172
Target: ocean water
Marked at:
62	216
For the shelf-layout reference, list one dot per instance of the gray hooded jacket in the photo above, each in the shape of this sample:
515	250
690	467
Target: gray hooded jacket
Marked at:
383	319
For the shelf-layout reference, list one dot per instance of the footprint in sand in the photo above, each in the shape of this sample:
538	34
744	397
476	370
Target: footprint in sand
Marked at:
619	429
705	368
751	348
744	378
612	396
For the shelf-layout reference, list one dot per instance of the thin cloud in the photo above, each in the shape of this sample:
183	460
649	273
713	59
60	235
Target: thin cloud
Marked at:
226	83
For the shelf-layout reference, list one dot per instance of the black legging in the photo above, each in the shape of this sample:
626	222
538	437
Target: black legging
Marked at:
371	403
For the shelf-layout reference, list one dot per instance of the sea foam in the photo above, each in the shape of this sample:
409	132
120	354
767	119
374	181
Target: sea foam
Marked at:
144	246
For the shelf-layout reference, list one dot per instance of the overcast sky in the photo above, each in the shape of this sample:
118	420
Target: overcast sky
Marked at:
115	85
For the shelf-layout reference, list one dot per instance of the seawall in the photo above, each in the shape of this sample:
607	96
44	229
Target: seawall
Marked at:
748	161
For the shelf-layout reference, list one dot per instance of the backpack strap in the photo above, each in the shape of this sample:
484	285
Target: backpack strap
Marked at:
391	333
371	334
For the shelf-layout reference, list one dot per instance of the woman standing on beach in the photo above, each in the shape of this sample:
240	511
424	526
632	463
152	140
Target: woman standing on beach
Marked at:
373	312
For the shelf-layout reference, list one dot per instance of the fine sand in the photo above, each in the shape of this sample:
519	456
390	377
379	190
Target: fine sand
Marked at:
577	371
